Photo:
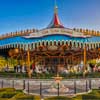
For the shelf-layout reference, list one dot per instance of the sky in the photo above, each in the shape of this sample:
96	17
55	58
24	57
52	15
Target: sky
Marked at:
16	15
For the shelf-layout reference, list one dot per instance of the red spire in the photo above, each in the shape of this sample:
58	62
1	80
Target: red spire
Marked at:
55	23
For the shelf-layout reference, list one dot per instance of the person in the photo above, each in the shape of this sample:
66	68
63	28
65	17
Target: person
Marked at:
33	66
95	68
30	73
21	68
85	73
25	68
7	68
15	68
18	66
98	68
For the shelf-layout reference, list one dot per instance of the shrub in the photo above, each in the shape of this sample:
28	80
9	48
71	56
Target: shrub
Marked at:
7	94
58	98
95	92
22	96
4	99
7	89
10	89
2	90
78	97
90	97
94	95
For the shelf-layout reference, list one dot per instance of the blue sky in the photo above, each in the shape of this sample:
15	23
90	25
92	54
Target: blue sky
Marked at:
27	14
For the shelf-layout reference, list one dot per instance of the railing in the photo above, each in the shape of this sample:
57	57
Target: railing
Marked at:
41	87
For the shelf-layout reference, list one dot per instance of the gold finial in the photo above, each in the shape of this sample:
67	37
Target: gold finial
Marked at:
56	8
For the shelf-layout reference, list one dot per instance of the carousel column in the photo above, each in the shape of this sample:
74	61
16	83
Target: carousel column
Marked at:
28	62
84	58
84	67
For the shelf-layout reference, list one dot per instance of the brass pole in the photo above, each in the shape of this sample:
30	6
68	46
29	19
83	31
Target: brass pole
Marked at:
84	58
28	62
84	67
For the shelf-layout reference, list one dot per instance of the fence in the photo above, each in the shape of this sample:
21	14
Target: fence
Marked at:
48	87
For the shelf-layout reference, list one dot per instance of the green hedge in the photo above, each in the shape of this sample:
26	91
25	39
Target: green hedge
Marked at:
13	74
7	89
94	95
7	94
48	76
64	98
91	97
12	94
22	96
4	99
58	98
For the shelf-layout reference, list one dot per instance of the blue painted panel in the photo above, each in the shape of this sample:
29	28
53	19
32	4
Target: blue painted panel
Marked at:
56	37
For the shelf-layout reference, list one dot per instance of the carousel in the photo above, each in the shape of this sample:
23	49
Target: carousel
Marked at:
54	47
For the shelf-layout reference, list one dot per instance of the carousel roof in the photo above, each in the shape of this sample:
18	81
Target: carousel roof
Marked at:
56	37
